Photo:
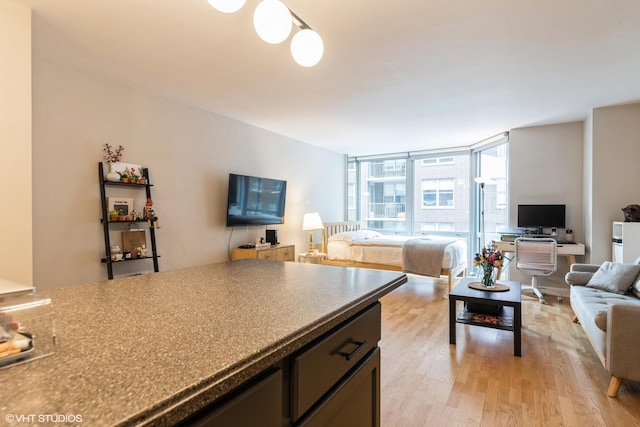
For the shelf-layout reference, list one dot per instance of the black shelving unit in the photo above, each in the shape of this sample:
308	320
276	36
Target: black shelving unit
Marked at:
106	223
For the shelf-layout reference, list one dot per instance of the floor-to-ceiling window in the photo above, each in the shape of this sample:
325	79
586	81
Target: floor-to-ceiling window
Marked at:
491	170
432	193
381	202
441	194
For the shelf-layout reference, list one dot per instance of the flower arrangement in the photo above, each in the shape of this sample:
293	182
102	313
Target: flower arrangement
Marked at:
488	260
112	155
133	175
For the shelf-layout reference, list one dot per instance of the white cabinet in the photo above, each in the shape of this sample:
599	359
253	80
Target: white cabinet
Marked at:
625	242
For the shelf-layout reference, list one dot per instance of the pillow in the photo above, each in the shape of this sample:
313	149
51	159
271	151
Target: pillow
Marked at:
349	236
578	277
601	319
614	277
635	288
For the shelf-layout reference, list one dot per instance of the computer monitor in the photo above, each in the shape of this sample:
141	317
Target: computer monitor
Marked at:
541	216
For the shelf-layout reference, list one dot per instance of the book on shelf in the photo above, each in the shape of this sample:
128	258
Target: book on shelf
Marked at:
122	205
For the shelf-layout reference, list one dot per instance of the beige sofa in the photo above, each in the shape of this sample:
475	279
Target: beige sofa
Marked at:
608	309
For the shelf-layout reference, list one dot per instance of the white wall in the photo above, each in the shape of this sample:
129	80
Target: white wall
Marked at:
189	153
16	250
616	172
545	167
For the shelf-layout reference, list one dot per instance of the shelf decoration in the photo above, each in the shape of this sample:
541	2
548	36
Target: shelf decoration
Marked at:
122	205
113	157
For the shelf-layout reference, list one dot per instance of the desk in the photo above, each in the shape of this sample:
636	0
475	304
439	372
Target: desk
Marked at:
568	250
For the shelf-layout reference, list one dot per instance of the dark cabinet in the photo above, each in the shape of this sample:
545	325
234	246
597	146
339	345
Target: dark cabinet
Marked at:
333	381
107	224
355	402
319	368
255	404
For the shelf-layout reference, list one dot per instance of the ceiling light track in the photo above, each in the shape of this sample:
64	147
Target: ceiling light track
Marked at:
299	22
272	21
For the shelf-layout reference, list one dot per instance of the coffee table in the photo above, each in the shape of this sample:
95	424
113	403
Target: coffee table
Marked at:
510	318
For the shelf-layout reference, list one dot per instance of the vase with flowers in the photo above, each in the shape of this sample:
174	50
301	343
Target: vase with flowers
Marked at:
488	261
112	156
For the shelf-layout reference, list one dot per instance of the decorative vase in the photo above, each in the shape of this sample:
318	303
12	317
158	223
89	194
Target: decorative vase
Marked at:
112	175
488	278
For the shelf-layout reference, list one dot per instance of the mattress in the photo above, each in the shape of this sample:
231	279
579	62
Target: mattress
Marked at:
372	247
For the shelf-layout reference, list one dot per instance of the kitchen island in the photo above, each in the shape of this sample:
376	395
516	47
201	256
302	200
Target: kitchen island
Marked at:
154	349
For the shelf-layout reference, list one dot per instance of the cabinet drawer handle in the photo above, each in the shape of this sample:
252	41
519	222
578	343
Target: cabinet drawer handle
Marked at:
360	346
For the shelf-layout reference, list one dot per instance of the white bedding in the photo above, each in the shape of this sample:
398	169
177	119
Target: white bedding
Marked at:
373	247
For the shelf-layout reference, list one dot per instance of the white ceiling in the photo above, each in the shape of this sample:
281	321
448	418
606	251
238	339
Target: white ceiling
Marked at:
396	75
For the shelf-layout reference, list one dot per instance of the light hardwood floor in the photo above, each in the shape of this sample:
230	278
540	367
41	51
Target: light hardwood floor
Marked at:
558	381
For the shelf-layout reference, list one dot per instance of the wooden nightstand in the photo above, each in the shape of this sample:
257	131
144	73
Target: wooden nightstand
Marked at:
312	258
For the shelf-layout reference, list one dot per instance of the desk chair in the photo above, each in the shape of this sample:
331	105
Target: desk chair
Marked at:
537	257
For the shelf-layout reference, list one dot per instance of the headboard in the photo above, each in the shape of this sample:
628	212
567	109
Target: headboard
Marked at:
331	228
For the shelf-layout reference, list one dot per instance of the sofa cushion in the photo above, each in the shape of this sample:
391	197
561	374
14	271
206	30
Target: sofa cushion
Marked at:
614	277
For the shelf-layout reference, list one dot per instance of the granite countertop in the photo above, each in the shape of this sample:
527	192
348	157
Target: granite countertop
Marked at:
155	348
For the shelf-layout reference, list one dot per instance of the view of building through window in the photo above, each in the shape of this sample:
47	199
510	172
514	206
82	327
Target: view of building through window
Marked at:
441	195
493	170
431	194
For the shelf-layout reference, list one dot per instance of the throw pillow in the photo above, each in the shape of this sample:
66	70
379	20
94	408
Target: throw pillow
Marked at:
601	319
578	277
635	288
614	277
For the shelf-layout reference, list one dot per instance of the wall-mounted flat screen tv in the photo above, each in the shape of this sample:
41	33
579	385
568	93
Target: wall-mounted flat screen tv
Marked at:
536	216
255	201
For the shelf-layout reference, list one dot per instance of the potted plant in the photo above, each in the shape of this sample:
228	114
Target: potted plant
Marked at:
124	175
133	176
121	216
113	215
141	179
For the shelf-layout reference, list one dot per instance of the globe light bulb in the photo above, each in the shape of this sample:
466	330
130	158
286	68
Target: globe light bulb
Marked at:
226	6
307	48
272	21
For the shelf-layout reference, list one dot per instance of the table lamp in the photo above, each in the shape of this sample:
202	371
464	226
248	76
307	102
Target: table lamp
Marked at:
310	223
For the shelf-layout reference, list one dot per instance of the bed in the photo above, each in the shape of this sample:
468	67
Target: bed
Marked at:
347	245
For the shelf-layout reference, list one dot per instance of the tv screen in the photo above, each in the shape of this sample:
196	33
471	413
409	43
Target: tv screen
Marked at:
255	201
534	216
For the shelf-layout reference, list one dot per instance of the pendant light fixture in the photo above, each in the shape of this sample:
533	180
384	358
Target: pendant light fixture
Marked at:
227	6
273	21
307	47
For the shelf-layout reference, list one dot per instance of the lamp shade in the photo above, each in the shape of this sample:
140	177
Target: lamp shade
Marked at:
307	47
227	6
312	221
272	21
